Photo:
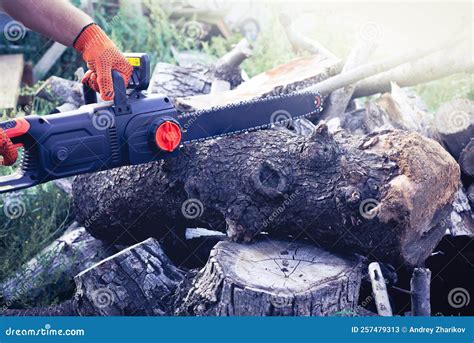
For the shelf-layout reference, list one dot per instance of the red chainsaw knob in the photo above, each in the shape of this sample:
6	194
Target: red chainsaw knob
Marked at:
168	136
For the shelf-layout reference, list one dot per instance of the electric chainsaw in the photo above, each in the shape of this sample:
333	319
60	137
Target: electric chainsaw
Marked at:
134	128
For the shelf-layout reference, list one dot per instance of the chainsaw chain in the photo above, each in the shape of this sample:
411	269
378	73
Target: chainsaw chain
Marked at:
198	113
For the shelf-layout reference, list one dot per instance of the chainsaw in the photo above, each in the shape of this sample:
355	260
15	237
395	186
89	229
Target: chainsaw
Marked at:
134	128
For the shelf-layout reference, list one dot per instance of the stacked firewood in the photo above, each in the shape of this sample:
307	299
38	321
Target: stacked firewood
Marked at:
283	221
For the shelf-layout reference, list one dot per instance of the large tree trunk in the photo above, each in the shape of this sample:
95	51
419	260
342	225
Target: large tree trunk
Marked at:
379	195
272	278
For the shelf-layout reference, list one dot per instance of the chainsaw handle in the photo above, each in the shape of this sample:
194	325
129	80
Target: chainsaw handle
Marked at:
16	130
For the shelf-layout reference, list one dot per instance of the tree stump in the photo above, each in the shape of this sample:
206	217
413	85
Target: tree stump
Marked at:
271	278
139	280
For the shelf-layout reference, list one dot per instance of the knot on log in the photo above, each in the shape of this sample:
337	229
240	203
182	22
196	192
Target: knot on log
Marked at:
271	180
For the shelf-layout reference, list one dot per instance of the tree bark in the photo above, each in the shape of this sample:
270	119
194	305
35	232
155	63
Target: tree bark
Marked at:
197	79
379	195
420	292
272	278
139	280
56	89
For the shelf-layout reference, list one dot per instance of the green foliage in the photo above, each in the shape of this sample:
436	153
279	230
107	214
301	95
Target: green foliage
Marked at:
30	220
437	92
269	52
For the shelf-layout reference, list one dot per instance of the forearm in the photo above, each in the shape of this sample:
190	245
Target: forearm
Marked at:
56	19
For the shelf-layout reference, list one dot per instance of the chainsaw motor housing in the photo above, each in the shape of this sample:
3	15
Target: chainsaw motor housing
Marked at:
96	136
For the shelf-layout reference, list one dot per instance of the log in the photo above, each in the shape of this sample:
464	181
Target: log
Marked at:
380	194
183	81
420	292
299	42
433	67
287	78
56	89
454	122
466	159
52	270
470	195
370	69
460	222
338	100
139	280
400	109
272	278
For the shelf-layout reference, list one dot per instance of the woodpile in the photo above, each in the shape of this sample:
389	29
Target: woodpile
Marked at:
293	215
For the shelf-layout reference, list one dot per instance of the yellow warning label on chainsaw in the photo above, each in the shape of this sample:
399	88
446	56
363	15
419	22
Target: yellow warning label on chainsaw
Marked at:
134	61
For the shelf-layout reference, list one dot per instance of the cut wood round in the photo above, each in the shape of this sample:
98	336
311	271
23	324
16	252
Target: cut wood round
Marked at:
139	280
271	278
455	125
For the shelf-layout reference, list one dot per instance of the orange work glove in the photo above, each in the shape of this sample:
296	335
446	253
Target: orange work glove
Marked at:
101	56
7	149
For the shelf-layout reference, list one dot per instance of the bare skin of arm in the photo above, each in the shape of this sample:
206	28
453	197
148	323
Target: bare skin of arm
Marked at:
56	19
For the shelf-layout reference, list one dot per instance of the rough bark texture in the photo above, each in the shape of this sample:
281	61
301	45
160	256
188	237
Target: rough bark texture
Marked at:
272	278
460	221
60	90
139	280
379	195
53	269
420	292
283	79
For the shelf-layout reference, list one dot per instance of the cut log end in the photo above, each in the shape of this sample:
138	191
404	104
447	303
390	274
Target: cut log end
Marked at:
273	278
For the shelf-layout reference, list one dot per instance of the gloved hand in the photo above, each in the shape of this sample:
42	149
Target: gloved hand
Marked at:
7	149
101	56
